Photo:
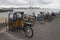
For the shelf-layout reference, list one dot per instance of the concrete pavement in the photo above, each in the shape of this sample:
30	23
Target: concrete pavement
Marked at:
47	31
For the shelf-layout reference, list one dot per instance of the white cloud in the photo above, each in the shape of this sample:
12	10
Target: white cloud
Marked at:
55	4
48	3
14	2
39	3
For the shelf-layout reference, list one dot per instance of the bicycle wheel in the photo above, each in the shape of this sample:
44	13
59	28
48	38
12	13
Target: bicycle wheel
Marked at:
28	31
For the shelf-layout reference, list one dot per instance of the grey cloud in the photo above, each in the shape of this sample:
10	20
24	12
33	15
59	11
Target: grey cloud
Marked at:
16	3
44	2
7	2
59	1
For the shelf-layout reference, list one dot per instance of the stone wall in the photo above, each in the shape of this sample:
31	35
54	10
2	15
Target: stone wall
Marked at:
2	20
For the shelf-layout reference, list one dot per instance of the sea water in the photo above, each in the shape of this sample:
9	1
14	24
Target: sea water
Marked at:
28	11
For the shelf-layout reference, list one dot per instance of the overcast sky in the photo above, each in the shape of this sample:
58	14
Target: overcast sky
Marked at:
41	3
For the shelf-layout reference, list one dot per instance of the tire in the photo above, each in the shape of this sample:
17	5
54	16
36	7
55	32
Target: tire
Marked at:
42	21
27	33
10	28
